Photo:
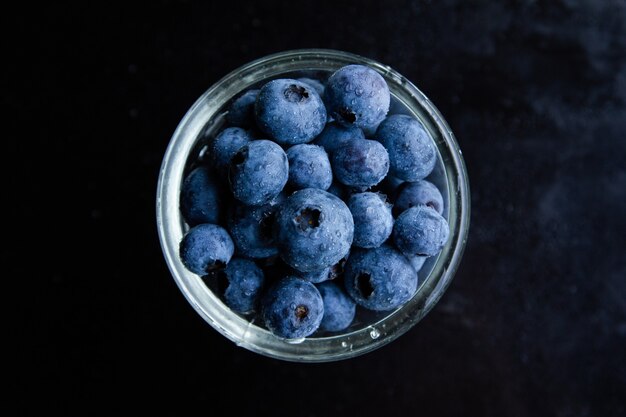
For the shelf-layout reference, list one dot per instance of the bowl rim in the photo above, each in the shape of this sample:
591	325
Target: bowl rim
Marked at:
236	328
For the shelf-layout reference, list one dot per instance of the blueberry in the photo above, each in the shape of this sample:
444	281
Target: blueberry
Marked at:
313	230
251	229
415	193
226	145
335	135
373	221
309	167
316	84
412	153
360	163
200	197
206	248
241	113
339	308
258	172
241	283
379	279
292	308
356	95
420	230
290	111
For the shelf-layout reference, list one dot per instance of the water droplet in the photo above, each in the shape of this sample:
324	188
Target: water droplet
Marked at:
344	344
374	333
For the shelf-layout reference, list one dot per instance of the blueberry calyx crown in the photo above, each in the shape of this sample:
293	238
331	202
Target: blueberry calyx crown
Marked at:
337	269
301	312
347	115
308	218
296	94
364	286
240	157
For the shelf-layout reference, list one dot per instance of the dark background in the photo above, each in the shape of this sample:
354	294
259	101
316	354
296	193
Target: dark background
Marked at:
534	324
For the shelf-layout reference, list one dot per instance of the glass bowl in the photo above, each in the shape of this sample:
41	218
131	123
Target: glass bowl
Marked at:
371	330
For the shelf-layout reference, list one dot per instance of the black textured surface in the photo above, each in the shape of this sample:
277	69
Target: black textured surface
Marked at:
534	324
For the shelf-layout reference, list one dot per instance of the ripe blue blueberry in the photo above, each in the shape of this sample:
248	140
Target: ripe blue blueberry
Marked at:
412	153
251	228
420	230
226	145
316	84
373	221
379	279
241	283
313	230
292	308
309	167
290	111
339	308
241	112
415	193
356	95
206	248
200	199
258	172
360	163
335	135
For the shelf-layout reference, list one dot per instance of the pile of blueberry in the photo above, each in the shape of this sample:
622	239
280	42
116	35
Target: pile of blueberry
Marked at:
287	221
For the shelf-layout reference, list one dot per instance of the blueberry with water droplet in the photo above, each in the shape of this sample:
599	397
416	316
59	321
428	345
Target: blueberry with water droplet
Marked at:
421	231
206	248
373	221
306	224
360	163
309	167
379	279
290	111
200	197
356	95
412	152
292	308
258	172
